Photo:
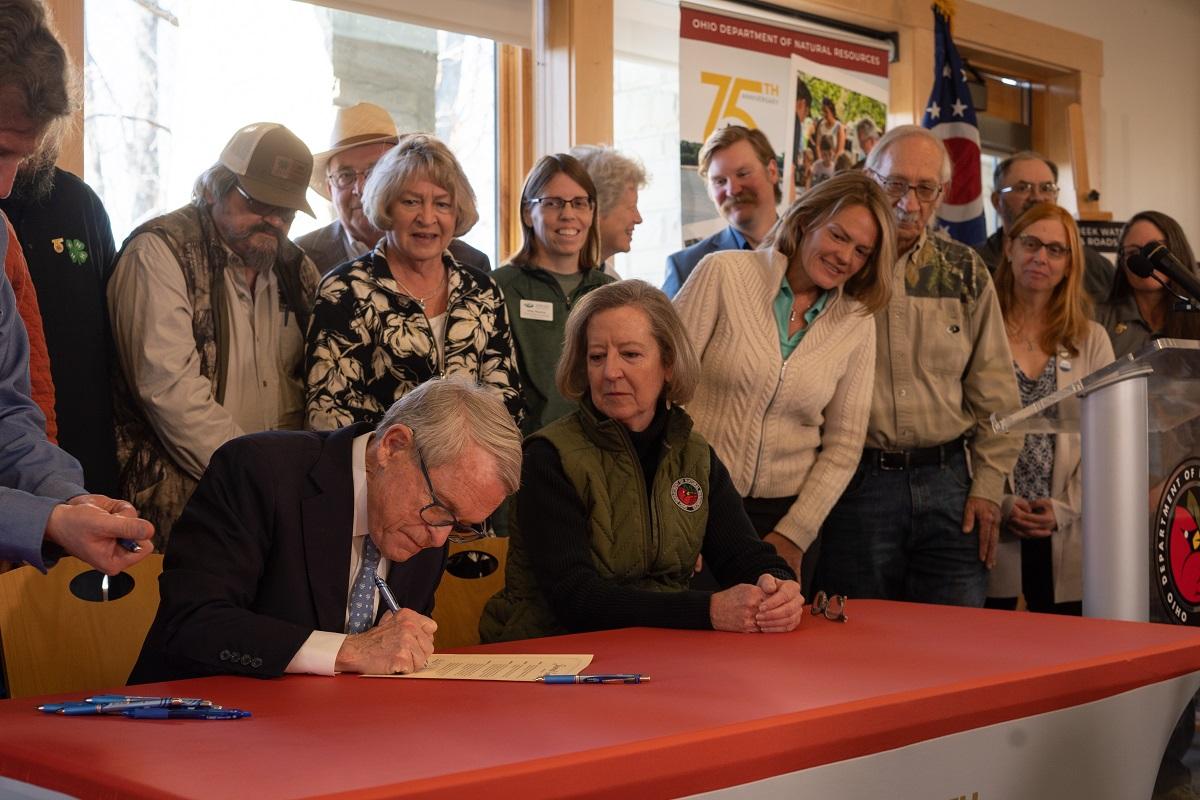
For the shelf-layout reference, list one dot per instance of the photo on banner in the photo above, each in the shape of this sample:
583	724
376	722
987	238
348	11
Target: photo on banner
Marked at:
826	142
743	71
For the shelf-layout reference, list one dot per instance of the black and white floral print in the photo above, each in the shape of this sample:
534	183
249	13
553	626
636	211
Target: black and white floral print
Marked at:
369	343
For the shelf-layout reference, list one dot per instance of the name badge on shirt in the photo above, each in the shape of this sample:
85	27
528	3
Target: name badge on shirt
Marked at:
536	309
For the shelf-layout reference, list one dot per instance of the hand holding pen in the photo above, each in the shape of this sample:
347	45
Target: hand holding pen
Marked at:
402	641
101	531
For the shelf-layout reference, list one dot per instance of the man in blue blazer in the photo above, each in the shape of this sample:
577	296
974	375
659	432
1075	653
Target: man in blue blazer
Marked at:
272	564
739	168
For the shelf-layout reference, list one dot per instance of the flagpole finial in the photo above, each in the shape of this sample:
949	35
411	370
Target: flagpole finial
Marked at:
945	7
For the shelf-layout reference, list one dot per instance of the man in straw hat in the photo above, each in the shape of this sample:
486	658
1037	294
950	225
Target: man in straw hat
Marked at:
209	304
362	133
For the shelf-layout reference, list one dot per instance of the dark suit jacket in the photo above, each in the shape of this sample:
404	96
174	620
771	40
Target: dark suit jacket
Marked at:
260	559
680	264
327	248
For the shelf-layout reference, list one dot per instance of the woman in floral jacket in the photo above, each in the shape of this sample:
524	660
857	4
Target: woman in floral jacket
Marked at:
407	311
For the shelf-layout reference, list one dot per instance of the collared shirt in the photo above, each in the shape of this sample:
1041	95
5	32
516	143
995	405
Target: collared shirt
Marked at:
1123	322
157	350
354	248
318	654
741	240
263	391
783	316
943	364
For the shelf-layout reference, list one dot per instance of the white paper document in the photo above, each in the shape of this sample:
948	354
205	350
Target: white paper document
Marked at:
521	667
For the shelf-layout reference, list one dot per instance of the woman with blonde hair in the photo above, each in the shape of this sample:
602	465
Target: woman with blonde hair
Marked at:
1047	314
619	498
407	311
786	340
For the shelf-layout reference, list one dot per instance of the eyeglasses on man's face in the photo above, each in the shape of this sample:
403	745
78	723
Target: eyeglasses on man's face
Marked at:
559	203
1022	188
830	606
898	188
285	215
436	515
346	177
1031	244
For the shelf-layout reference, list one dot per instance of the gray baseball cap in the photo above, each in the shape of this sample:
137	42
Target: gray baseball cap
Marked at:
272	165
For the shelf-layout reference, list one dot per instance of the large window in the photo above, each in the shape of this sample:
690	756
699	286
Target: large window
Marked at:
169	81
646	125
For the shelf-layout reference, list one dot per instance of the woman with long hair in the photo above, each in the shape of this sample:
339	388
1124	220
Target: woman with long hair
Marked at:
1140	309
1039	284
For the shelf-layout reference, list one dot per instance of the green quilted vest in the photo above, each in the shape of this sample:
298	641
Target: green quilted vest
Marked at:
639	542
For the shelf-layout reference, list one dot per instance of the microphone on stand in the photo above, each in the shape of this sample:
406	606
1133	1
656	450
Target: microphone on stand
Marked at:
1156	256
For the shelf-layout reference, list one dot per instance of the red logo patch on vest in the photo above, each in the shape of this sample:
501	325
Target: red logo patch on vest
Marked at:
1177	544
687	494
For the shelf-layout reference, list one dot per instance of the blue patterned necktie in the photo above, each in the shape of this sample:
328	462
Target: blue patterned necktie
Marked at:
362	599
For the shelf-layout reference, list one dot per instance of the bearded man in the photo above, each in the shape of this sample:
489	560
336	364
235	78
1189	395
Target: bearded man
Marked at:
209	304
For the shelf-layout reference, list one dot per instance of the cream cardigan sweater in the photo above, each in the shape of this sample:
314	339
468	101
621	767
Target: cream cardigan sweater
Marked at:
783	428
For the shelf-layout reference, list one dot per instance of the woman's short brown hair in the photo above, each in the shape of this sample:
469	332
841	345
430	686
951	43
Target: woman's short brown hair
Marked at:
674	347
871	285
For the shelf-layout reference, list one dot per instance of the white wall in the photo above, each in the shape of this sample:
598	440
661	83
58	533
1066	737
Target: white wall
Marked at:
1150	100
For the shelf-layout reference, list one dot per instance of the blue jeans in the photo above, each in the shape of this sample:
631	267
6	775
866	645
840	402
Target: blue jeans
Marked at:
897	535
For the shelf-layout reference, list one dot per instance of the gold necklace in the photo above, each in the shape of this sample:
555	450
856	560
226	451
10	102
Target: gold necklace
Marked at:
421	301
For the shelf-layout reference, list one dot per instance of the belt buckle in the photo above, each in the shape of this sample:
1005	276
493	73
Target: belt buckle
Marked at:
893	460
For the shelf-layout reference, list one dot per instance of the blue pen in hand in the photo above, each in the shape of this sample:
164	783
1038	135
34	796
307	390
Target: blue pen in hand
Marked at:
616	678
130	545
385	592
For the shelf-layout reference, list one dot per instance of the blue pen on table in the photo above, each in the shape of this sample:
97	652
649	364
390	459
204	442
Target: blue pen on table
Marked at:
84	709
129	698
186	713
110	703
385	592
632	677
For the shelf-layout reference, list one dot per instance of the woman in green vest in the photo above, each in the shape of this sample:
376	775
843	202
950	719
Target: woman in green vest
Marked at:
619	498
558	263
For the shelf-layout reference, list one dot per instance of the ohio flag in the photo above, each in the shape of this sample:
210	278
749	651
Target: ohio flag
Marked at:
951	117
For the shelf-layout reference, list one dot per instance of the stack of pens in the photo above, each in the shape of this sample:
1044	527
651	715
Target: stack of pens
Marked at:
144	708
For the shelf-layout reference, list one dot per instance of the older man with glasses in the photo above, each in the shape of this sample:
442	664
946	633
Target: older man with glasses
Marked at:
361	134
920	518
1022	181
276	561
209	304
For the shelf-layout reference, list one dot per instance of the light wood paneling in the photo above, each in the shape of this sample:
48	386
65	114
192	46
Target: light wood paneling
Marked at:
574	73
68	24
516	141
54	642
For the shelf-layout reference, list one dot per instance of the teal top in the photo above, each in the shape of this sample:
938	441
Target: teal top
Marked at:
783	312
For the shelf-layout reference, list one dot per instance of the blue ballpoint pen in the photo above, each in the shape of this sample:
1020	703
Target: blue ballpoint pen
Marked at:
130	545
132	698
385	592
84	709
616	678
186	713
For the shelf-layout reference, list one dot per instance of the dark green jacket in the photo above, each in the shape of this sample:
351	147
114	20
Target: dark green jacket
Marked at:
640	542
532	294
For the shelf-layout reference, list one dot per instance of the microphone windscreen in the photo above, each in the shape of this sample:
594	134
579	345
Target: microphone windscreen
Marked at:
1139	265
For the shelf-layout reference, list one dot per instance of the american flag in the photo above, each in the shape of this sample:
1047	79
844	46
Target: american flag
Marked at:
951	117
